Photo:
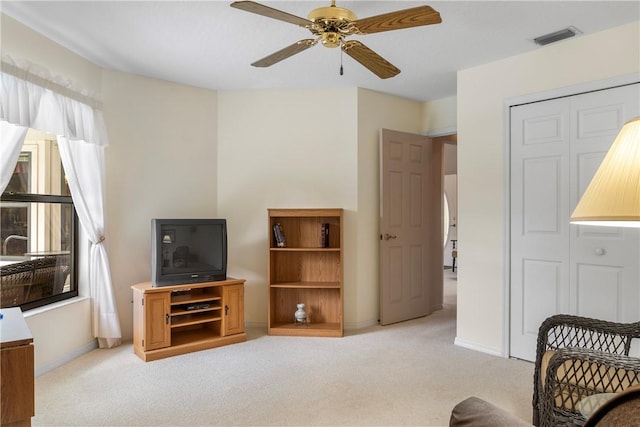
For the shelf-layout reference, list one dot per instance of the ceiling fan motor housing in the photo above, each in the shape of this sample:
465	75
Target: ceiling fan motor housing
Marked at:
331	13
331	23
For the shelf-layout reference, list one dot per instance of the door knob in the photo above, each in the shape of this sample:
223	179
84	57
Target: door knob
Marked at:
388	236
599	251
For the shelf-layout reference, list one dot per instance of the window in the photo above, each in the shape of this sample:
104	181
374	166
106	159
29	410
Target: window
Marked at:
38	229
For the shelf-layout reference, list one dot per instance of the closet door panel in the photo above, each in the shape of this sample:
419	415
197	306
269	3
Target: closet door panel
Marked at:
542	292
600	292
541	179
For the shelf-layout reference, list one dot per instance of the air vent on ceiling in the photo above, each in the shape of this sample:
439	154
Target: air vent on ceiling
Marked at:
557	36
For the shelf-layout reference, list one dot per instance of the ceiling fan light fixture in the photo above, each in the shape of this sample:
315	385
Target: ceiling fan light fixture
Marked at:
331	40
556	36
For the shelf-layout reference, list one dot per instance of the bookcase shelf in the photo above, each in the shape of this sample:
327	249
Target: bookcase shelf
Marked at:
308	285
311	330
308	269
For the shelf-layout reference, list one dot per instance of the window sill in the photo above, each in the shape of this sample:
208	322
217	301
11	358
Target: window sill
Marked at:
54	306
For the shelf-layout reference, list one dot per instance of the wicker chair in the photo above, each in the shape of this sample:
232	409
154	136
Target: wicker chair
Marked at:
577	357
26	281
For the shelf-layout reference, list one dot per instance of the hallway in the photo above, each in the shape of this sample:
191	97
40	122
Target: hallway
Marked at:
450	287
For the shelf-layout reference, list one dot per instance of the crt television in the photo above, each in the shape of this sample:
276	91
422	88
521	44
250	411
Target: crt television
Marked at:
188	251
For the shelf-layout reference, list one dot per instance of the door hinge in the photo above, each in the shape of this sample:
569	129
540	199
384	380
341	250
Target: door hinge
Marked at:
142	343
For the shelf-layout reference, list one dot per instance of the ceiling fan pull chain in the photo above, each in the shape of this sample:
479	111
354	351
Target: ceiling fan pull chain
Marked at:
341	70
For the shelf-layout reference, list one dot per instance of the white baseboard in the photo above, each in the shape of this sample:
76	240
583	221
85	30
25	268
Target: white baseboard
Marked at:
90	346
477	347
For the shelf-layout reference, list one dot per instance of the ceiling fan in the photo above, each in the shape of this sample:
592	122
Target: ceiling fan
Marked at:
331	25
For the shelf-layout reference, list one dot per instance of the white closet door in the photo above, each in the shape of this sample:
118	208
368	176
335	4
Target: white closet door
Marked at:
540	138
556	146
605	272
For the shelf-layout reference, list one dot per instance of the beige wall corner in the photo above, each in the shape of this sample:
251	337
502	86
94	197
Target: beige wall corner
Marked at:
439	114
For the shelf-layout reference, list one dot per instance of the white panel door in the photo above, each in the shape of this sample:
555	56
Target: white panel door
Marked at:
556	146
540	135
605	261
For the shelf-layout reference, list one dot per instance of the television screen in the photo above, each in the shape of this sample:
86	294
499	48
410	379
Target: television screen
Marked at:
188	251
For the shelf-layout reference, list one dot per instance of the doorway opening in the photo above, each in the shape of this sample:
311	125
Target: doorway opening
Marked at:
450	214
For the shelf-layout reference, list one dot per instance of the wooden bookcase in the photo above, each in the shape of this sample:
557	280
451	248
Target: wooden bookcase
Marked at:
171	320
306	272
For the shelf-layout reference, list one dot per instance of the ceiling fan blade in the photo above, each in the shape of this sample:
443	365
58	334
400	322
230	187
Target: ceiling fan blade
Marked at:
269	12
407	18
288	51
371	60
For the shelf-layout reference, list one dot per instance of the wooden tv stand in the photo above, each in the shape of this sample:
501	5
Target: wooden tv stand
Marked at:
178	319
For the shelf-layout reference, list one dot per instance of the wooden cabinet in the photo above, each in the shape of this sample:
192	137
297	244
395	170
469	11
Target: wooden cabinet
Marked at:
233	320
179	319
155	319
17	367
307	269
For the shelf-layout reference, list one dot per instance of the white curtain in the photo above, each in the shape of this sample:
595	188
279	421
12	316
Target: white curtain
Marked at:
12	137
30	100
84	165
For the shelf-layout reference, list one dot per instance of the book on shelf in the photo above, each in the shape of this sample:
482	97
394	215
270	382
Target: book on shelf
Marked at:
278	234
324	235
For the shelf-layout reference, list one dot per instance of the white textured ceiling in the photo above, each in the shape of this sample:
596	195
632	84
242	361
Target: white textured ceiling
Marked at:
209	44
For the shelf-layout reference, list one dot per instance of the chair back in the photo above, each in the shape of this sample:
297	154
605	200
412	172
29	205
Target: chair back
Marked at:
27	281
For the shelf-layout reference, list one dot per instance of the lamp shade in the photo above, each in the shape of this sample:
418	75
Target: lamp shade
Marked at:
613	196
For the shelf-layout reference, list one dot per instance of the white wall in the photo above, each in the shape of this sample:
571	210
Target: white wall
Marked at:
20	42
161	163
482	92
282	149
439	114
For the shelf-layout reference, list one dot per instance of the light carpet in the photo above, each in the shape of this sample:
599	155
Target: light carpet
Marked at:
407	374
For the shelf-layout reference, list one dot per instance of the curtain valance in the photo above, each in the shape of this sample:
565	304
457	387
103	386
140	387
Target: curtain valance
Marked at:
30	100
